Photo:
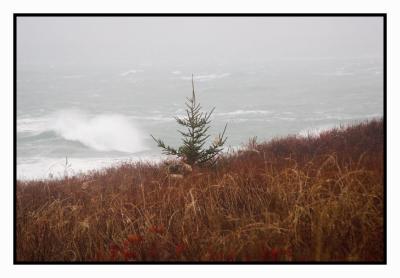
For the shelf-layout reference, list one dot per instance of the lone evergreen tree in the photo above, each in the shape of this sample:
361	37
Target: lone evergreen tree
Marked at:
195	136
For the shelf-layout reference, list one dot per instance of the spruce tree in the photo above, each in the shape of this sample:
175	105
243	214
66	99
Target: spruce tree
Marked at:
195	136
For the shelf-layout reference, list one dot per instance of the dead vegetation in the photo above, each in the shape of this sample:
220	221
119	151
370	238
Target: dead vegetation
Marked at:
291	199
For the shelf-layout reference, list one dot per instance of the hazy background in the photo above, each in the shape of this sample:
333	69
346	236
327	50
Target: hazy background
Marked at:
93	89
102	41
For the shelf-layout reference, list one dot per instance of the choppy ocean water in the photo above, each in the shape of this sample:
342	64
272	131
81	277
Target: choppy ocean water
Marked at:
98	116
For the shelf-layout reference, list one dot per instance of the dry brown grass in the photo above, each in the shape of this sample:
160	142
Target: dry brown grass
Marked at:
291	199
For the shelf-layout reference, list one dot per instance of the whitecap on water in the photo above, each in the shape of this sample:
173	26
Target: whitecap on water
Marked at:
104	132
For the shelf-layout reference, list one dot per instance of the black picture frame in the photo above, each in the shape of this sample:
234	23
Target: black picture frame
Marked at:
384	41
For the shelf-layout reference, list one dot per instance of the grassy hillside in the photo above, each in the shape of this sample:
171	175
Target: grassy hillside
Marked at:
291	199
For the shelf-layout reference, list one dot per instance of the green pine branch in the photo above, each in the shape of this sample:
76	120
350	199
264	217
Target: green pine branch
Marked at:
197	124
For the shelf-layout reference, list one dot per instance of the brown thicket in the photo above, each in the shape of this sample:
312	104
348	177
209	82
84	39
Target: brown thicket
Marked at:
291	199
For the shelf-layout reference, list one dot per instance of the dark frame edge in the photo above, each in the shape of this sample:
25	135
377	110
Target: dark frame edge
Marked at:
15	15
203	14
15	138
385	133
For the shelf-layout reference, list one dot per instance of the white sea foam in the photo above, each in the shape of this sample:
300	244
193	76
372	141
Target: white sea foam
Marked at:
104	132
34	125
46	168
315	131
156	118
129	72
244	112
285	118
321	116
206	77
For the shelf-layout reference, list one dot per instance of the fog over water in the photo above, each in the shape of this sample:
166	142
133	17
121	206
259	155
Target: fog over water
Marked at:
94	89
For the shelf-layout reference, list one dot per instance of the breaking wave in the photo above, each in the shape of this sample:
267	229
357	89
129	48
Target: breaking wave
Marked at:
106	132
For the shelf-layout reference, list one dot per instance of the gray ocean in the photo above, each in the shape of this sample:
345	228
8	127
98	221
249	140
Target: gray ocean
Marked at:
97	116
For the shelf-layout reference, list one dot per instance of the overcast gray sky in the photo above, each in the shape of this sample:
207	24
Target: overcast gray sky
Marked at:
80	40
